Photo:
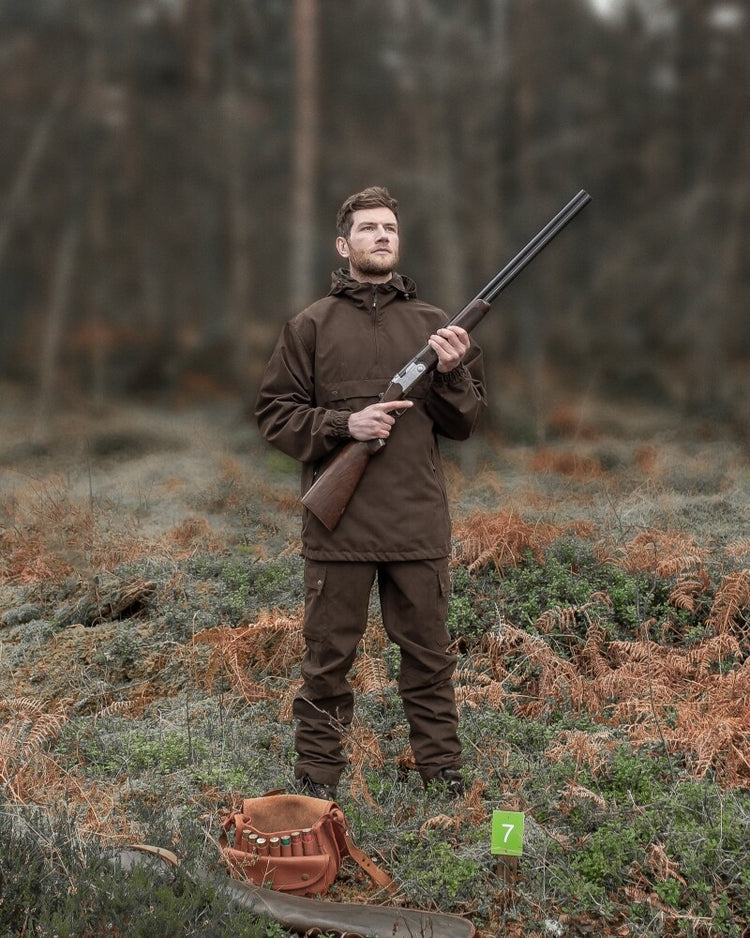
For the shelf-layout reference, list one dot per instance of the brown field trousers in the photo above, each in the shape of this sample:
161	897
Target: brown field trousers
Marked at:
414	604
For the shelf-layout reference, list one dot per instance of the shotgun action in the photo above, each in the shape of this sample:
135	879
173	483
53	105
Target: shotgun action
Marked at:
336	483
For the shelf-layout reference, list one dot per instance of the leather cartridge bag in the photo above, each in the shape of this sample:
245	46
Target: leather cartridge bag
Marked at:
292	843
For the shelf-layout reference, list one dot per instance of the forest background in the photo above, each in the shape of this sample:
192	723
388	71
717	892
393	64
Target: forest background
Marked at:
171	171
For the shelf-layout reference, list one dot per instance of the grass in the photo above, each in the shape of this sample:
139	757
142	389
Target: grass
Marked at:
602	680
55	883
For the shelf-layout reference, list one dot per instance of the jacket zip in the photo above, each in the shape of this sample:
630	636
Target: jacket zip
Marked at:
375	330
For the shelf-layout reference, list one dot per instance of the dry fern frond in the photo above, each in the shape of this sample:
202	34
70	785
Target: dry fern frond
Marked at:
405	761
371	676
661	693
592	657
358	787
501	643
120	708
560	617
729	611
490	694
55	537
494	647
687	588
739	548
31	725
661	552
573	793
472	676
635	691
590	750
475	806
46	728
23	706
713	651
501	539
441	822
639	895
363	746
192	535
474	688
571	619
541	673
363	750
251	690
374	640
274	642
640	650
660	665
712	714
661	866
723	705
721	745
272	646
287	700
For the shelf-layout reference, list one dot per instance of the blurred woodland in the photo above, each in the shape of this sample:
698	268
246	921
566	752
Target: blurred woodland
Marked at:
171	169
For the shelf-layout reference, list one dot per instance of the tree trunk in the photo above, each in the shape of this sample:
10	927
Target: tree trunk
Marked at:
305	155
37	146
62	280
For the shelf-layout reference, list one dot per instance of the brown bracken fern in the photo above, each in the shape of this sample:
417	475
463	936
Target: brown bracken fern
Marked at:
273	645
501	539
664	553
729	612
31	725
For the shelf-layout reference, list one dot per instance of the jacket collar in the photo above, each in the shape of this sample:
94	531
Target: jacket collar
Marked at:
399	286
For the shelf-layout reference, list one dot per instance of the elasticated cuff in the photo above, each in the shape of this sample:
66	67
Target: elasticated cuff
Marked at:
459	375
340	424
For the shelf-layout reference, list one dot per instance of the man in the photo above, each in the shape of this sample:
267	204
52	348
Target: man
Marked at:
321	388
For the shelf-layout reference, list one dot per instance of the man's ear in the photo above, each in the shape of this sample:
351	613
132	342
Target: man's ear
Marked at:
342	246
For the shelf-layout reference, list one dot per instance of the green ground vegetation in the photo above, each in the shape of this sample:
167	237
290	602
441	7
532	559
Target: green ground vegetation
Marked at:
603	688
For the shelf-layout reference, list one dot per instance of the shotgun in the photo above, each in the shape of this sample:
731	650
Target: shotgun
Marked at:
335	484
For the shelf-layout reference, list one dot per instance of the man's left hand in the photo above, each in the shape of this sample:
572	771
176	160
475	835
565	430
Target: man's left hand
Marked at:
450	345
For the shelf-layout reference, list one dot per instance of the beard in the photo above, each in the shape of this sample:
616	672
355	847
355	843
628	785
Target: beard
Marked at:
373	264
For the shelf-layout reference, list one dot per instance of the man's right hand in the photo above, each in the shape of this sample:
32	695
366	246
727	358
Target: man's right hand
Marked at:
375	421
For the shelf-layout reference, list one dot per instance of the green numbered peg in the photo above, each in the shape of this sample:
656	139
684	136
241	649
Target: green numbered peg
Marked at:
507	833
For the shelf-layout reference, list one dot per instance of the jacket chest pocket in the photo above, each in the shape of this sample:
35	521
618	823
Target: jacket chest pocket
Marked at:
358	393
352	395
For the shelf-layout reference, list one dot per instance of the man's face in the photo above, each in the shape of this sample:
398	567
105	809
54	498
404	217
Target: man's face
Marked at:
372	245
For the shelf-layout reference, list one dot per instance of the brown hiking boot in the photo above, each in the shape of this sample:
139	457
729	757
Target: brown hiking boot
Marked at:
448	781
316	789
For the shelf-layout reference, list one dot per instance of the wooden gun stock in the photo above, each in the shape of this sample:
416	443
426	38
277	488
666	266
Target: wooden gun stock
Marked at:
329	495
334	486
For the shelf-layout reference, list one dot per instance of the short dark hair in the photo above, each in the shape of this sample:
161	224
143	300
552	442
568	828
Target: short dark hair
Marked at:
372	197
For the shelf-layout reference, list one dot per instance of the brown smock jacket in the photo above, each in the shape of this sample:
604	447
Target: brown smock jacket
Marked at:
336	357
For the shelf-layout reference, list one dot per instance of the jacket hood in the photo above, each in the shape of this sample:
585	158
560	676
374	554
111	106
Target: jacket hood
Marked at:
361	292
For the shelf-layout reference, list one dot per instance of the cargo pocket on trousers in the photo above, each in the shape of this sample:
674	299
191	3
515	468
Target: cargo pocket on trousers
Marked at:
444	579
315	581
443	598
